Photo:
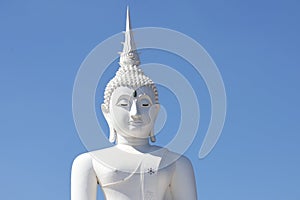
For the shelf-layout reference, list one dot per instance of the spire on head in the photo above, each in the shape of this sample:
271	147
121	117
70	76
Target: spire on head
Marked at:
129	74
129	55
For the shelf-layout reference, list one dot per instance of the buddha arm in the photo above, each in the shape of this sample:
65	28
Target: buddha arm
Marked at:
83	179
183	185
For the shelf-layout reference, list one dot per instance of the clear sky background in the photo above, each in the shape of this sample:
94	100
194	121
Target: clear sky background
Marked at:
255	45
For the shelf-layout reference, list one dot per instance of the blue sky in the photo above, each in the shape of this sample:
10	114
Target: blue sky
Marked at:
255	45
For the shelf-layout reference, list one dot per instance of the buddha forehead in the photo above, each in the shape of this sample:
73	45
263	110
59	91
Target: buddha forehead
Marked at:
133	93
133	80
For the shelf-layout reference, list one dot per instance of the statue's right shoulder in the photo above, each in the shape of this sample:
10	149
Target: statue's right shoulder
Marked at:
84	159
82	167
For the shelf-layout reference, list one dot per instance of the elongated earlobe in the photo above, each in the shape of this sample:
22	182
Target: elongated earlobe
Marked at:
112	135
153	139
152	136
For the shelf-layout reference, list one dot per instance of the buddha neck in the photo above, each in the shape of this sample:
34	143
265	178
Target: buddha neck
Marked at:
132	141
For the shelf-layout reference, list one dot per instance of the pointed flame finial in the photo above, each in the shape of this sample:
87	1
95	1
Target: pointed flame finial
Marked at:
129	55
128	26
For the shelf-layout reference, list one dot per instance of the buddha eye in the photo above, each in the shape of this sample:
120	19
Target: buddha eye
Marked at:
123	102
145	102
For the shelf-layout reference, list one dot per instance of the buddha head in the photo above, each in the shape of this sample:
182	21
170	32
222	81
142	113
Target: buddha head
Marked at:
130	99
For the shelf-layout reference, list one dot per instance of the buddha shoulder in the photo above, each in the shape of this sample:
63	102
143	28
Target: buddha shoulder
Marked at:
82	163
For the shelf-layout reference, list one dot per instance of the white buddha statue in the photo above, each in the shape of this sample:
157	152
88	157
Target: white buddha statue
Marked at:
132	169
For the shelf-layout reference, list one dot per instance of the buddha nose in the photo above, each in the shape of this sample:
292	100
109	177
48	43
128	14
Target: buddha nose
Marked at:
134	111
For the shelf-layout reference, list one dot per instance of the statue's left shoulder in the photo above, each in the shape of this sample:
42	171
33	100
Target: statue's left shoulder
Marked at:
184	161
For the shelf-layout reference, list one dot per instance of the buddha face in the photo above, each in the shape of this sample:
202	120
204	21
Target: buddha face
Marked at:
132	113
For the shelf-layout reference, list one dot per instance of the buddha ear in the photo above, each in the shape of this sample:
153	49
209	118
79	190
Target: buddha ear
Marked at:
153	113
104	110
155	110
106	114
